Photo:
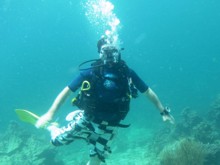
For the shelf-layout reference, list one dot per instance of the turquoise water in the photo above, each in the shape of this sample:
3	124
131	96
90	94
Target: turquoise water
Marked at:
173	45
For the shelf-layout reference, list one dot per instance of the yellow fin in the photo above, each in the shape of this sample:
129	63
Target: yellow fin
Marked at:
27	116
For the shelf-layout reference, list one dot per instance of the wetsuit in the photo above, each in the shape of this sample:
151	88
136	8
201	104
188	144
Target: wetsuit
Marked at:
99	118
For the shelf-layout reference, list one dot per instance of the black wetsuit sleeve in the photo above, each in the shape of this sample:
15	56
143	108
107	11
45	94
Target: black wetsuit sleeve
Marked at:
138	82
77	81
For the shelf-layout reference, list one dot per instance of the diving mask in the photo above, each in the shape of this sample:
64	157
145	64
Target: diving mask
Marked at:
109	54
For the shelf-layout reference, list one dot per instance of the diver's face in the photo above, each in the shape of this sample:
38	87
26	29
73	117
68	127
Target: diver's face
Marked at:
109	56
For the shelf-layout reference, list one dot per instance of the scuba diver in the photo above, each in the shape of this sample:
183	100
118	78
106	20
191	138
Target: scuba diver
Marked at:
105	90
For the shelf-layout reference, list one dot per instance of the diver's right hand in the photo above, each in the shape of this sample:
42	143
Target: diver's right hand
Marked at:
44	120
167	116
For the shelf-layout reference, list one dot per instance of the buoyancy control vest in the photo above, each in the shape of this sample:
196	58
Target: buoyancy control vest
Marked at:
88	99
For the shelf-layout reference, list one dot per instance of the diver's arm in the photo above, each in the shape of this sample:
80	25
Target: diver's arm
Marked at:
54	108
156	101
59	100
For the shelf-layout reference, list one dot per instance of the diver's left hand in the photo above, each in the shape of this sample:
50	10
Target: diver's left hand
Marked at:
44	120
167	116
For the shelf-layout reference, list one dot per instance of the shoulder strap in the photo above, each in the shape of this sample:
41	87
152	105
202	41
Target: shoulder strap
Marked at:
124	69
97	68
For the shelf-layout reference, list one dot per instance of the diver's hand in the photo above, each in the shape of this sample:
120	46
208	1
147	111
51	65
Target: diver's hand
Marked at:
167	116
44	120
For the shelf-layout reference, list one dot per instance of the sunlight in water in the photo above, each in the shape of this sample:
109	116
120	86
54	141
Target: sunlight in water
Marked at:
101	15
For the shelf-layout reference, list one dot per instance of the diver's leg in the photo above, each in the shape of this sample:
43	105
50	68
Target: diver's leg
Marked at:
61	136
94	160
66	135
99	144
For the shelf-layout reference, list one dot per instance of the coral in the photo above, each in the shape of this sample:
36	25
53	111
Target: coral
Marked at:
213	153
205	132
183	152
18	146
10	145
214	113
216	103
161	137
10	141
189	120
199	144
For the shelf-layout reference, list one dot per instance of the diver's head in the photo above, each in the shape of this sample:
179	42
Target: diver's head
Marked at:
103	40
109	54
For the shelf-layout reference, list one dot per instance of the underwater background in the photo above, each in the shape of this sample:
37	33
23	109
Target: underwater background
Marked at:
173	45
